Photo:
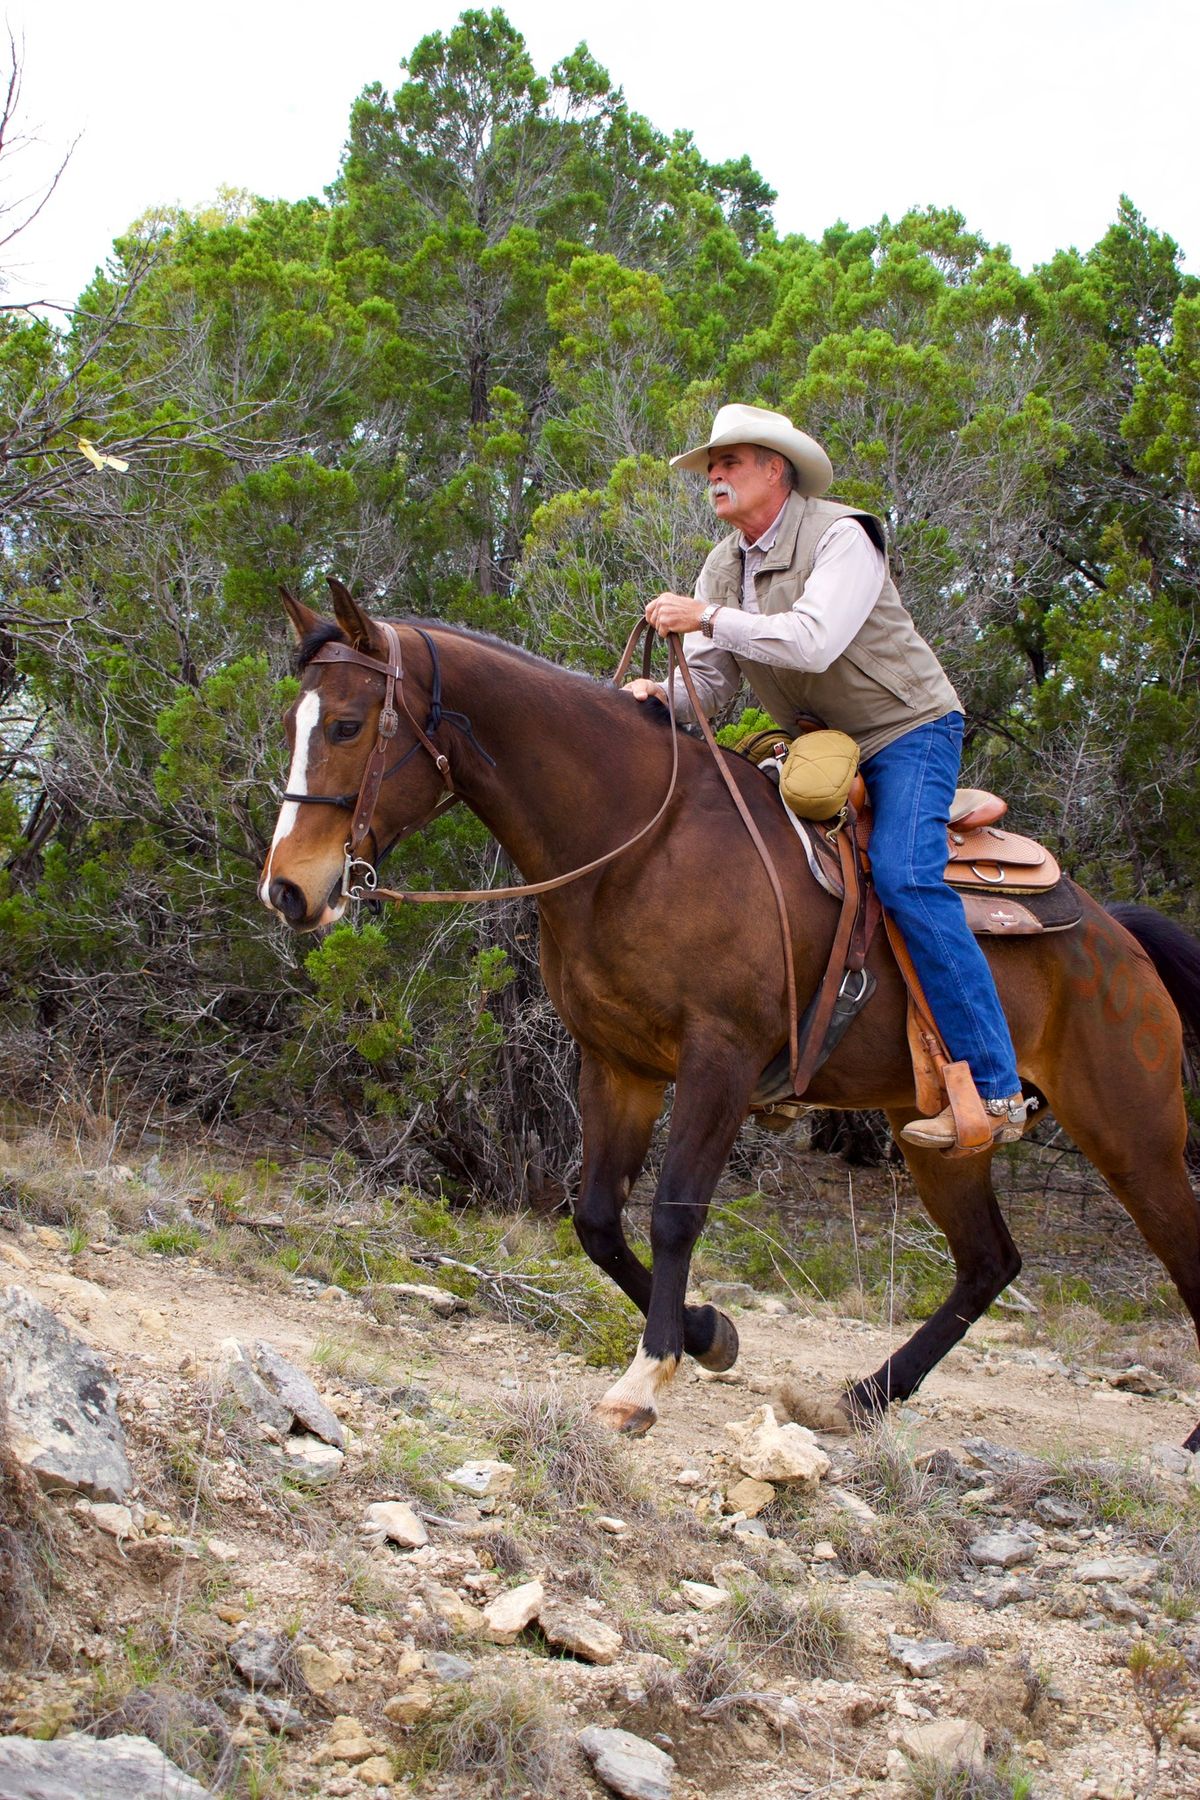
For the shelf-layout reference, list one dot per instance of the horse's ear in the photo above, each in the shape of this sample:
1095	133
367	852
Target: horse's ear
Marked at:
350	616
303	618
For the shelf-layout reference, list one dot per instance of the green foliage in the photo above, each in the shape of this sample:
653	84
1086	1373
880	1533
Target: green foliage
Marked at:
457	382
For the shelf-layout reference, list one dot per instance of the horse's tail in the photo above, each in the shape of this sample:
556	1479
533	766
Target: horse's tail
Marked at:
1175	954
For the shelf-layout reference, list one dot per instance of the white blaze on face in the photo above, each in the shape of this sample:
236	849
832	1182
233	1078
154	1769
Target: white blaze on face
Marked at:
308	715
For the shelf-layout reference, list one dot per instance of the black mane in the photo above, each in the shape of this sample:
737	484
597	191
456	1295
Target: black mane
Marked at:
652	712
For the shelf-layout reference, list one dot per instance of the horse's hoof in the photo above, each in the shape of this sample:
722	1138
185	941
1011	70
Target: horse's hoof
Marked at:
864	1405
722	1353
806	1403
620	1416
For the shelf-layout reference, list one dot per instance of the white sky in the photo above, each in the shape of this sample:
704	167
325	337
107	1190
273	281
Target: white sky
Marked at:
1030	116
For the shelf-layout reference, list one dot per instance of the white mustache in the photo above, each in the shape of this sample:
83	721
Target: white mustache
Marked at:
720	488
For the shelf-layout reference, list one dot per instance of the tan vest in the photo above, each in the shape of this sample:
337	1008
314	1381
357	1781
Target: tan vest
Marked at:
885	682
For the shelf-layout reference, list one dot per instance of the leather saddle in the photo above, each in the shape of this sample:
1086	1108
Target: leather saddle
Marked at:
1010	886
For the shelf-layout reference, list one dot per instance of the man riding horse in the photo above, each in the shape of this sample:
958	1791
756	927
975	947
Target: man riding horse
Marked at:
798	599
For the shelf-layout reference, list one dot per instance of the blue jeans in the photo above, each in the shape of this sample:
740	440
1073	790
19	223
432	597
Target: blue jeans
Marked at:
911	783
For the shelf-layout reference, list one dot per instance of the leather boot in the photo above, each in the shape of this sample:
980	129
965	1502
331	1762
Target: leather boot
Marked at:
1008	1119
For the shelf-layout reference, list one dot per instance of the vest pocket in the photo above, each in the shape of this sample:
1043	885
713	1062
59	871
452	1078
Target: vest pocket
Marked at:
897	679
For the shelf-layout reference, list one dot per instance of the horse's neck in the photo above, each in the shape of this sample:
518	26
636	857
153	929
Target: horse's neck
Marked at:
568	783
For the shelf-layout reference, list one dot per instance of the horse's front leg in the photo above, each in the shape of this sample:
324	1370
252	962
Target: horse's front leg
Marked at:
619	1112
711	1097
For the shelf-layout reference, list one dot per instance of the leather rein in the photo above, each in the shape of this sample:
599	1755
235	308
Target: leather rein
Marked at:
365	885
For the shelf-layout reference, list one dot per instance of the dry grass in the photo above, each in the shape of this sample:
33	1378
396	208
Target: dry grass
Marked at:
561	1453
931	1780
503	1735
920	1532
807	1635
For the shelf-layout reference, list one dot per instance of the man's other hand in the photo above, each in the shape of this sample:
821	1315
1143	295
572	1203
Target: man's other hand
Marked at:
641	689
674	612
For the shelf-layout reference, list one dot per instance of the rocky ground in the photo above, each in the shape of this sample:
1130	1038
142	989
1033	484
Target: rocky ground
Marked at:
323	1546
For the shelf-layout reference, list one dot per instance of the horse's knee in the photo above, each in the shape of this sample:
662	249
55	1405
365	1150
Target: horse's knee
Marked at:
598	1228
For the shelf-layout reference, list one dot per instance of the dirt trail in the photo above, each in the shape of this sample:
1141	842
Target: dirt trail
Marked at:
161	1321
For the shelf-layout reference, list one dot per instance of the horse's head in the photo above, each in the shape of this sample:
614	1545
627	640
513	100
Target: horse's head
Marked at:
359	777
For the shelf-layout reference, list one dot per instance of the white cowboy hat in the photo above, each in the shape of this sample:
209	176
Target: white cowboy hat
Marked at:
770	431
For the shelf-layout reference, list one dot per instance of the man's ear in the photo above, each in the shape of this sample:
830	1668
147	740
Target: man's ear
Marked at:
351	617
303	618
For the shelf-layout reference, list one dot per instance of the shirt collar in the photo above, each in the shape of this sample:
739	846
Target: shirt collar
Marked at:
767	540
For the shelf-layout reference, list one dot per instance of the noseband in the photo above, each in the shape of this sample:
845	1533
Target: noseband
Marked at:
374	773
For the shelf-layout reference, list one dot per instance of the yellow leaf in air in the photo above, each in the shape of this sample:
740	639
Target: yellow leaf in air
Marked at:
97	458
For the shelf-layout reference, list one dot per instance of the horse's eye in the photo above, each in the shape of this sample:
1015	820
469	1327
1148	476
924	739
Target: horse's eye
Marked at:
345	729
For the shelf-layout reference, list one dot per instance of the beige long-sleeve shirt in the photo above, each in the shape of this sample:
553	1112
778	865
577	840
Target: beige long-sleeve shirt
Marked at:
811	634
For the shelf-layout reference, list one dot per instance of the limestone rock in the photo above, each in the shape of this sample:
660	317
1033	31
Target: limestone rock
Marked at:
320	1670
1173	1458
63	1422
258	1656
576	1631
447	1668
730	1293
924	1657
768	1451
458	1613
376	1771
1130	1571
1053	1510
506	1617
629	1765
851	1503
437	1299
1120	1605
347	1742
703	1596
281	1715
68	1768
1008	1592
1137	1379
749	1496
613	1526
395	1521
310	1460
116	1520
482	1477
278	1394
950	1743
1002	1549
410	1704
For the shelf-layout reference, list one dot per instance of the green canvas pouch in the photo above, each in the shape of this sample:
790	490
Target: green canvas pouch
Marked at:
818	773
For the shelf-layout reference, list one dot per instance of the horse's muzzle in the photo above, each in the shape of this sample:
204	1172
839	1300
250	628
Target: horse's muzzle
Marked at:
289	900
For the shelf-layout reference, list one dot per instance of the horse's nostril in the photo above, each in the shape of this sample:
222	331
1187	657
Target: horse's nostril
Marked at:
287	899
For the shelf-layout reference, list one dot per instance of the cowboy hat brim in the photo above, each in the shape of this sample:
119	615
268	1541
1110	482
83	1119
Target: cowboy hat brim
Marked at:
767	431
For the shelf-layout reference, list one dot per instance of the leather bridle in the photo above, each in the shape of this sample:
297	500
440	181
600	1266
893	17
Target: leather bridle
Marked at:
374	774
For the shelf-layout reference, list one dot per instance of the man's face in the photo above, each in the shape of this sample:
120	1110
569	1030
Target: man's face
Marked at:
741	487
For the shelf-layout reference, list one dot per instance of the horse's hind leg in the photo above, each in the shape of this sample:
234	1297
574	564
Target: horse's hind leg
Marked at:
958	1196
619	1113
1137	1142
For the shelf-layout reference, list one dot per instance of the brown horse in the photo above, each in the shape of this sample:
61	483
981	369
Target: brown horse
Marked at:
666	966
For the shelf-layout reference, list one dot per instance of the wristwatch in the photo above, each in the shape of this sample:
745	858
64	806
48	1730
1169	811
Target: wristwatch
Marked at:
706	619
